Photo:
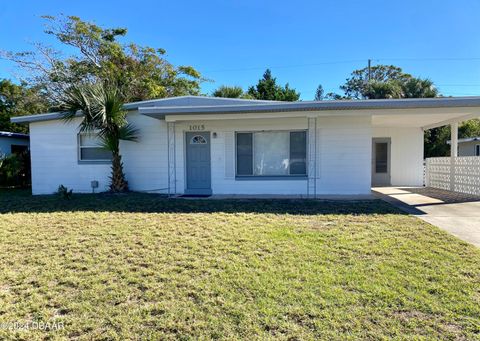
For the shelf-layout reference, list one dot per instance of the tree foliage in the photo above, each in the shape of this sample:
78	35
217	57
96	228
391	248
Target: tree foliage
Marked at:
319	93
19	100
230	92
139	72
268	89
385	81
15	169
103	114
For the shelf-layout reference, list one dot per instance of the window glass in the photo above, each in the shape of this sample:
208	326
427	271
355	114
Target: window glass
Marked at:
244	153
90	148
477	151
18	149
198	139
298	152
381	157
89	140
272	153
95	154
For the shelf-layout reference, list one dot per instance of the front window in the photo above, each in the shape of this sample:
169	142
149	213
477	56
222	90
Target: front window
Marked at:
90	148
272	153
477	150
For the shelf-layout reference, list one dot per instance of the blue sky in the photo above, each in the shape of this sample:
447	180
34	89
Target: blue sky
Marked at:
305	43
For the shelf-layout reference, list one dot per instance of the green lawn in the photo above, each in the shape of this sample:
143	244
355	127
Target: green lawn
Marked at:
142	266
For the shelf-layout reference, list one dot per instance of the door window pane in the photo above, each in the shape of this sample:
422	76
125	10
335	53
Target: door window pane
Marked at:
381	157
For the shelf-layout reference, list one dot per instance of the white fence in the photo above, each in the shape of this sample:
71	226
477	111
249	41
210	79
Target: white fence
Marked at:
459	174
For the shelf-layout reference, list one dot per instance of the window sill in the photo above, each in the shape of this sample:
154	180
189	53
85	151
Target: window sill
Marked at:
94	162
278	177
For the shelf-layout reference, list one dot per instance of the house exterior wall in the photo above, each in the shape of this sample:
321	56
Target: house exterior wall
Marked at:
54	156
406	154
467	148
7	142
145	162
343	157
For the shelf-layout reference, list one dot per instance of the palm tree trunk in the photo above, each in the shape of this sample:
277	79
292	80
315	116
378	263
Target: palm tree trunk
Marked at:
118	183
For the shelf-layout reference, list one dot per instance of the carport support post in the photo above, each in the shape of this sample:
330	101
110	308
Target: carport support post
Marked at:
453	153
454	140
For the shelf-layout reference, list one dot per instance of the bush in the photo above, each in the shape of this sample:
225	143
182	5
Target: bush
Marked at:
64	192
15	170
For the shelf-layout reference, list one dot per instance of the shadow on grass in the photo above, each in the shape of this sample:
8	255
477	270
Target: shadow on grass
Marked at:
16	201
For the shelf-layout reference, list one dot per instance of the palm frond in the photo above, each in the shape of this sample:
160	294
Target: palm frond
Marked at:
128	132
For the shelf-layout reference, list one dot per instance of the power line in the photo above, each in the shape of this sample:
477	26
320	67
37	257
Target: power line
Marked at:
289	66
424	59
435	59
450	85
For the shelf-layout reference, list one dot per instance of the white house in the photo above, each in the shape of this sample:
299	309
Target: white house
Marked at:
207	145
13	143
469	146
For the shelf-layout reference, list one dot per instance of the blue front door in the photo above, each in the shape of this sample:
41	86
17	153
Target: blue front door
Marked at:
198	163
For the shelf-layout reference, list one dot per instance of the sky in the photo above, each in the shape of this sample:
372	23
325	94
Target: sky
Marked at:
304	43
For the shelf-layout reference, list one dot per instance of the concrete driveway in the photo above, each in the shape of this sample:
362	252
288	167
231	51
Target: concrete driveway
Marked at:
453	212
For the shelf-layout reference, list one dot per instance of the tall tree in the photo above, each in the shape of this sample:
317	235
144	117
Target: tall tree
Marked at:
19	100
140	72
319	93
357	85
385	81
230	92
268	89
103	114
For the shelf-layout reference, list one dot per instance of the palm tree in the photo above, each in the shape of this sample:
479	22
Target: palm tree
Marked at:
102	108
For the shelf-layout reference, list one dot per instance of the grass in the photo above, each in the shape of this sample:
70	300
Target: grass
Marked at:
142	266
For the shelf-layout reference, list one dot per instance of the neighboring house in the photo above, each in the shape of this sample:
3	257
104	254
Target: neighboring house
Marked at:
469	146
207	145
13	142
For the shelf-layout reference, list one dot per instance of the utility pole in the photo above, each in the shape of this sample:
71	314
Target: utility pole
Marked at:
369	69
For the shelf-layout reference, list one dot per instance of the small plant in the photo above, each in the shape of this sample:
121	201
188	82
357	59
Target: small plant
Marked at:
64	192
15	170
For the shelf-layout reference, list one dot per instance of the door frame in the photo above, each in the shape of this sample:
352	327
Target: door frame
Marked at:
196	191
387	140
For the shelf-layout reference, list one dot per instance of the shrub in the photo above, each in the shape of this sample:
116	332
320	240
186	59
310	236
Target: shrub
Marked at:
15	170
64	192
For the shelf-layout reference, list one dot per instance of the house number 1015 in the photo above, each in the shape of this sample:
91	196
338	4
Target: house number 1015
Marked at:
196	127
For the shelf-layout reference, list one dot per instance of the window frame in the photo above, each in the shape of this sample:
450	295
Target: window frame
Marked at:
80	147
272	177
